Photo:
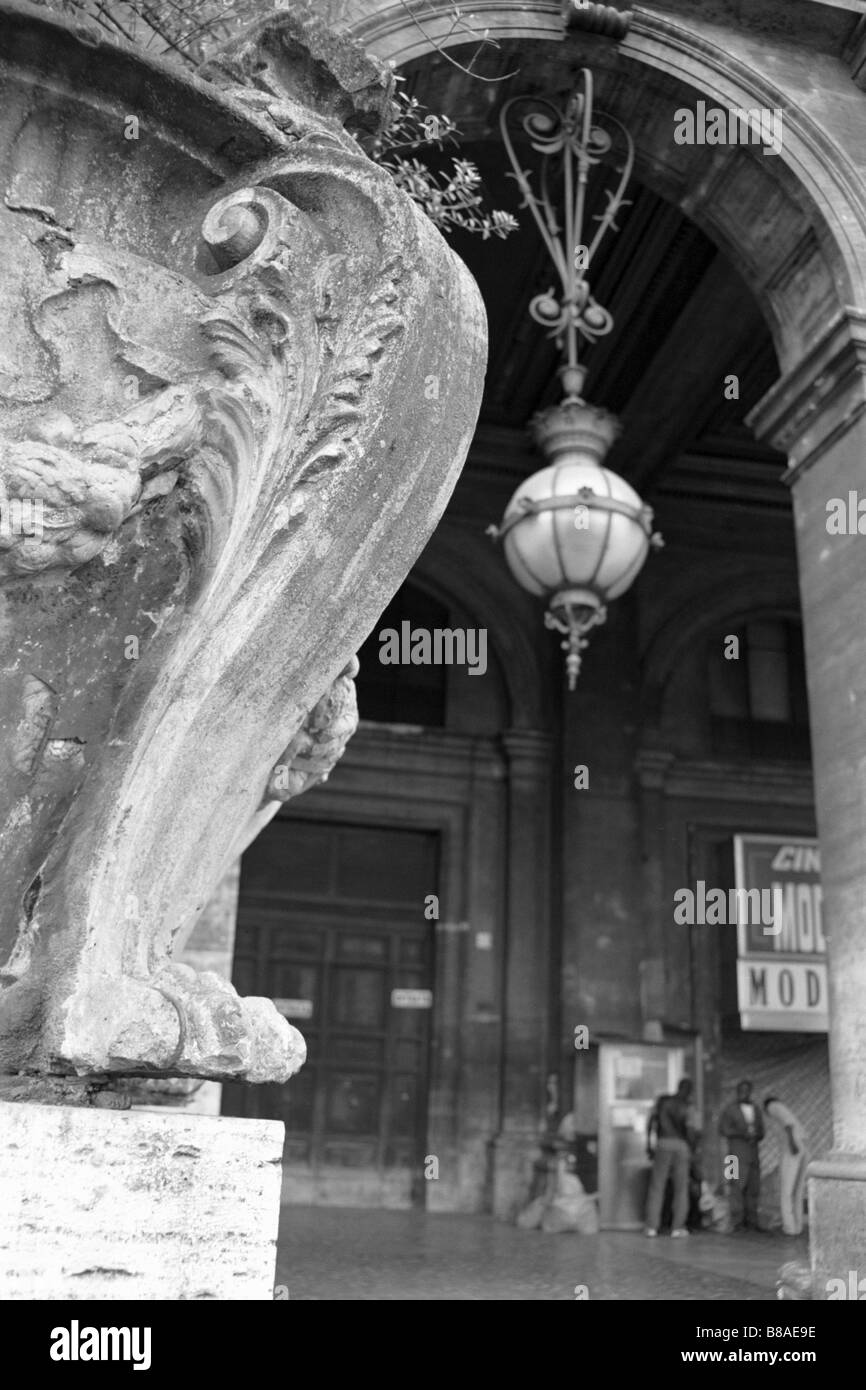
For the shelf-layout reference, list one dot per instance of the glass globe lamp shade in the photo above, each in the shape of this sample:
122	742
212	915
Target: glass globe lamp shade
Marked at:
576	533
582	544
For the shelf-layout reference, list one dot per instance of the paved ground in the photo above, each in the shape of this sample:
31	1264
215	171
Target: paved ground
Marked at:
340	1253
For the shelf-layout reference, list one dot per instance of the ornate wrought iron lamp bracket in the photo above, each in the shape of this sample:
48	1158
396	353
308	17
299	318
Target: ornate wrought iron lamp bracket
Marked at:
573	138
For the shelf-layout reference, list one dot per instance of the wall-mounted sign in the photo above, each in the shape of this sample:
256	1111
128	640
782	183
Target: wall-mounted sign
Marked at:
294	1008
781	950
411	998
628	1067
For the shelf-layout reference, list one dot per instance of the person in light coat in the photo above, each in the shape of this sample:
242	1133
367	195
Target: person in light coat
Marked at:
792	1169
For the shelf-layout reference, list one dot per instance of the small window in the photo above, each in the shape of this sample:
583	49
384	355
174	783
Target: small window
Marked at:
758	701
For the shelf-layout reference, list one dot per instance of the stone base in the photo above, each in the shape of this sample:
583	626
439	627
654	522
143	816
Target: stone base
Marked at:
513	1158
837	1226
104	1204
347	1187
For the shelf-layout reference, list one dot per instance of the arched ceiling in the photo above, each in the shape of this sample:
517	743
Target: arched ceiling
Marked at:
684	316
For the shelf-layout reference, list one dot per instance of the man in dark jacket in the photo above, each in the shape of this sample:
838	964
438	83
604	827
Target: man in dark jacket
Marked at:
741	1125
672	1134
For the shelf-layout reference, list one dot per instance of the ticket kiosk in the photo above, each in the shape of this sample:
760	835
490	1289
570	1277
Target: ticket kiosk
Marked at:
631	1077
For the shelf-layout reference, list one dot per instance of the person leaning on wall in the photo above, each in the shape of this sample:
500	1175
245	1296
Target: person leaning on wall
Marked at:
792	1166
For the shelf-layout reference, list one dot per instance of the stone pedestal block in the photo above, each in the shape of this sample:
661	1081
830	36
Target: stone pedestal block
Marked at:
99	1204
837	1226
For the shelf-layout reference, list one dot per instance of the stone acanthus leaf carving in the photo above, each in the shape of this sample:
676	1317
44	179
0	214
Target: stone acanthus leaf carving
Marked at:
88	480
332	433
255	354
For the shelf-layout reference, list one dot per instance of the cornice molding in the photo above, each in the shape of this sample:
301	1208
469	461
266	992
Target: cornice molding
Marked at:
529	753
653	765
819	401
713	781
434	755
588	18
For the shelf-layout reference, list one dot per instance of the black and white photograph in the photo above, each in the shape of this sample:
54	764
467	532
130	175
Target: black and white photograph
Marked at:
433	668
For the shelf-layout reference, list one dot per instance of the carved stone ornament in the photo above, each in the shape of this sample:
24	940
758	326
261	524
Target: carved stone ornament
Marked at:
218	461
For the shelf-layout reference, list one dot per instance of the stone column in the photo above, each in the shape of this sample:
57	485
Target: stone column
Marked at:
652	766
526	990
818	415
218	461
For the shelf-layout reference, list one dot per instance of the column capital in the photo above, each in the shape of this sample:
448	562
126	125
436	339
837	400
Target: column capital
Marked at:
527	748
652	766
820	399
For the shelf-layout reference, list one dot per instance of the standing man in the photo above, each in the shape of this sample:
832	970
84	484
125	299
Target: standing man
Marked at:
671	1135
741	1124
792	1169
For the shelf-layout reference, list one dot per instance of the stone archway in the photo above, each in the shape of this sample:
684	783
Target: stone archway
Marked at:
821	163
795	224
398	32
693	620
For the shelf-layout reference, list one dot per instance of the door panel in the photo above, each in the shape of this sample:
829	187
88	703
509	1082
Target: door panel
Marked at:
357	998
332	963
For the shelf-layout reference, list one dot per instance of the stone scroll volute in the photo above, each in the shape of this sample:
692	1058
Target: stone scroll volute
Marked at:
214	401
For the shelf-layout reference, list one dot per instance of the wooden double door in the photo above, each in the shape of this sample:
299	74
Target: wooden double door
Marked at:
351	965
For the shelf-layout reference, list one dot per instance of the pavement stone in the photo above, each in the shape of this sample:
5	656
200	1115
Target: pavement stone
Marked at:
341	1254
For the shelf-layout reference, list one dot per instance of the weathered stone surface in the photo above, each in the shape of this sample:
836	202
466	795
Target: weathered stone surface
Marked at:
210	946
794	1282
837	1226
295	55
99	1205
197	1020
102	1092
221	322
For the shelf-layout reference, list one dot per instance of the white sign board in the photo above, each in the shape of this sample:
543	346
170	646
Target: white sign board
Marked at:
411	998
294	1008
782	950
777	996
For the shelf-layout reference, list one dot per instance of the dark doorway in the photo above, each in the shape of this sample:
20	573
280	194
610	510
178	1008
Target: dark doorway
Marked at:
331	926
